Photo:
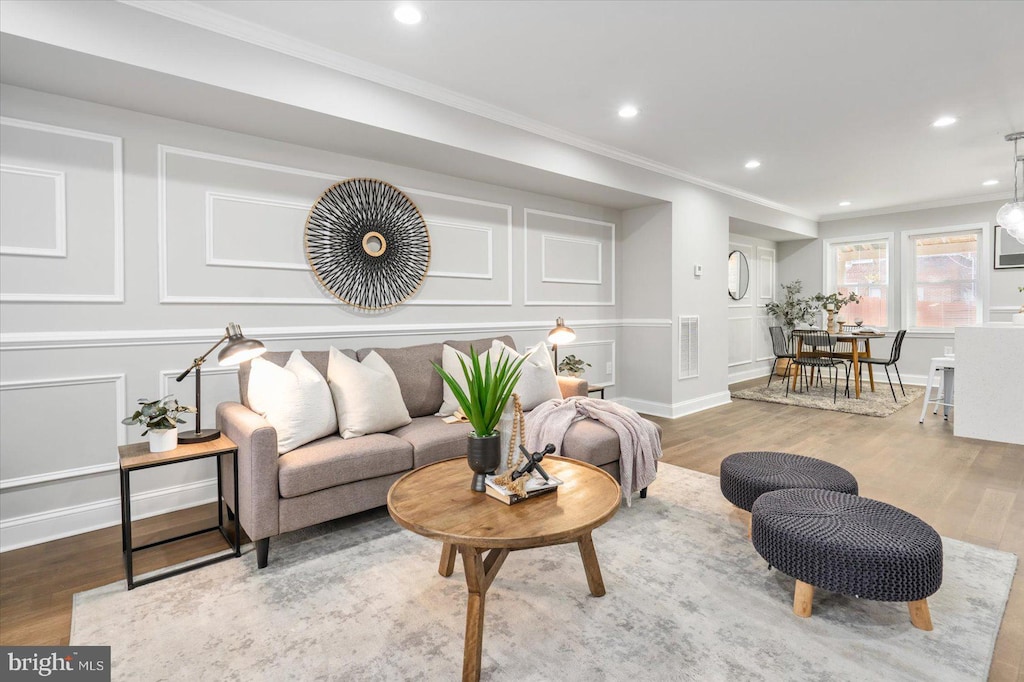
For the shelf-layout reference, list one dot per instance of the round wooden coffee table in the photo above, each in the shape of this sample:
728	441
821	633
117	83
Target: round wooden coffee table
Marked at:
436	501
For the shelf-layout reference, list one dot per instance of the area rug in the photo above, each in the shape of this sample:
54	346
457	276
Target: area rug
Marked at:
688	599
878	403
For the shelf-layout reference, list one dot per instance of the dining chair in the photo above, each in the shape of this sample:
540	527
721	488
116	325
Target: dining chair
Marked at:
894	357
782	352
818	354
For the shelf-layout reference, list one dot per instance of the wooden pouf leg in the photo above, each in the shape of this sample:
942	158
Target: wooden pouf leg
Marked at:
920	616
750	527
803	596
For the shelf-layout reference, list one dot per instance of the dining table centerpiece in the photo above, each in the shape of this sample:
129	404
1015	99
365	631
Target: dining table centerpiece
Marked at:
832	304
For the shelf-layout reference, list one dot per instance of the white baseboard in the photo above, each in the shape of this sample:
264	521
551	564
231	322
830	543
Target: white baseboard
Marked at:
675	410
755	373
33	529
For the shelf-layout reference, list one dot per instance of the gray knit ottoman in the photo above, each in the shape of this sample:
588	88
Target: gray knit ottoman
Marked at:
745	476
850	545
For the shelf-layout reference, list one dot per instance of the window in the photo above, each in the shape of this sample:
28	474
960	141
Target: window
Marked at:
861	266
942	275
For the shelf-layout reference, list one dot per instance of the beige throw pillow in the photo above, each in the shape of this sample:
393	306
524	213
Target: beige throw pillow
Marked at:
450	363
366	395
294	399
537	381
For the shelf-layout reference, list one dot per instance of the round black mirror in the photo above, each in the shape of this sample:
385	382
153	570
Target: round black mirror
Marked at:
739	275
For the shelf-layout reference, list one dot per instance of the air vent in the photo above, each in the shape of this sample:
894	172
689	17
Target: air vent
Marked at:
689	355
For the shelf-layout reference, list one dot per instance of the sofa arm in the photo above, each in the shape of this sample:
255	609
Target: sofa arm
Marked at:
258	497
572	386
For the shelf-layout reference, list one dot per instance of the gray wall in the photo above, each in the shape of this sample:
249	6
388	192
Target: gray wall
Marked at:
804	260
173	230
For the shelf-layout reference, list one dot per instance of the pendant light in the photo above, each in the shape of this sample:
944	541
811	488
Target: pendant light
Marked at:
1011	214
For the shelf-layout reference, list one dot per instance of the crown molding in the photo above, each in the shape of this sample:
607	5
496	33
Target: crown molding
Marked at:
213	20
921	206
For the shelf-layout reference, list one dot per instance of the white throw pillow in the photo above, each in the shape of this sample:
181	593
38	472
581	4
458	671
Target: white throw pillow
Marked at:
366	395
294	399
450	363
537	381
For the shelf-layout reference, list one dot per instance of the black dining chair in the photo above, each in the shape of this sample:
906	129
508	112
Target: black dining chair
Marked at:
894	357
782	352
817	354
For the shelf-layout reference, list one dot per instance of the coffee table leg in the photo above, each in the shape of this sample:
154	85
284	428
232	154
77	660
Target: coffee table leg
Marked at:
480	574
447	566
590	565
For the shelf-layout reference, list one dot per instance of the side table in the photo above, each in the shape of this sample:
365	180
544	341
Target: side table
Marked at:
596	389
137	456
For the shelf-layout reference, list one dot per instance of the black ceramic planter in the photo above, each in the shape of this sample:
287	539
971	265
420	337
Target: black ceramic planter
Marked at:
484	455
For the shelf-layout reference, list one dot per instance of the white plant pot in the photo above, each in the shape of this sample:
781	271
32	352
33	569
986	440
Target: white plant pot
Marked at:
1018	319
163	440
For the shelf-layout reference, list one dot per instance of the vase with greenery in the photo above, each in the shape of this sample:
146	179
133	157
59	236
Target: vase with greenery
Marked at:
160	419
572	366
833	303
488	389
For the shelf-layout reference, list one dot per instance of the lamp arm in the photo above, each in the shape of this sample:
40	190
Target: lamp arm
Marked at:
199	361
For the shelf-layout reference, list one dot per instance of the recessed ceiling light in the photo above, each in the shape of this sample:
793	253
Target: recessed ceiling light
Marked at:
989	183
628	111
944	121
753	163
407	14
844	203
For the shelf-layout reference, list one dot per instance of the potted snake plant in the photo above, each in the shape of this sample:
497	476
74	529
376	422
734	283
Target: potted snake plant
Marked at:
488	389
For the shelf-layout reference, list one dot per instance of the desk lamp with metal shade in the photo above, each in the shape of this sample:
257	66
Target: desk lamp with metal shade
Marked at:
560	334
238	349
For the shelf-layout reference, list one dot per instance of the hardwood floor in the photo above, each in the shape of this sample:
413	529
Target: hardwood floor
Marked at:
970	490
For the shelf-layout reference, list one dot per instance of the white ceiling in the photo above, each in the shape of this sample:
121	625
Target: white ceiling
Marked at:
835	98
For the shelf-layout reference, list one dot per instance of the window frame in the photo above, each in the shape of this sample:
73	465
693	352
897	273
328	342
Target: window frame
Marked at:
908	297
829	274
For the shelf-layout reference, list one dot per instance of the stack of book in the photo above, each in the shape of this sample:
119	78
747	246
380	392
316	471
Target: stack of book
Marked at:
535	487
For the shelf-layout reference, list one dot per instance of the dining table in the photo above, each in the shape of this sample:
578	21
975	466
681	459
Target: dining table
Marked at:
854	339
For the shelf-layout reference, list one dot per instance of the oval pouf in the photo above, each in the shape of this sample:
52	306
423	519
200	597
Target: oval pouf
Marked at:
848	544
744	476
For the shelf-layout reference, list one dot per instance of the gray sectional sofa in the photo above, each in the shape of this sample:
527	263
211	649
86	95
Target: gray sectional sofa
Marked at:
333	477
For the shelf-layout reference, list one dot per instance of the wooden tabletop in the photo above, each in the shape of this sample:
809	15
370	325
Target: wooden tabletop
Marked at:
138	456
436	501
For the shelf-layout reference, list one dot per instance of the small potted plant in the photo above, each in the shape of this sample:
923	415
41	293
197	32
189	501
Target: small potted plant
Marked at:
572	366
488	389
160	419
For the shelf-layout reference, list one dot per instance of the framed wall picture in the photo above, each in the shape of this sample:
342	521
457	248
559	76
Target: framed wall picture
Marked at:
1008	252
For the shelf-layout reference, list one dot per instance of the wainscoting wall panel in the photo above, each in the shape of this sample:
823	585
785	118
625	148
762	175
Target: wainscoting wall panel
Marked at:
62	233
569	260
750	347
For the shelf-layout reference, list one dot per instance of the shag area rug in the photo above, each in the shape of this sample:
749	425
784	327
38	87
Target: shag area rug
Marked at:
688	599
873	404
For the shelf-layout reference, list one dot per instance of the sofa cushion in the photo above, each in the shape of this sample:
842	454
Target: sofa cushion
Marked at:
366	395
420	383
480	345
432	440
294	399
334	460
590	441
537	382
317	358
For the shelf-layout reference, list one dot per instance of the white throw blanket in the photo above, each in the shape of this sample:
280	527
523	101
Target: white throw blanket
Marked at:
639	444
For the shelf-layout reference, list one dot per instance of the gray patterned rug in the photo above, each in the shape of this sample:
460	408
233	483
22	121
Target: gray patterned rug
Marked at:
873	404
688	599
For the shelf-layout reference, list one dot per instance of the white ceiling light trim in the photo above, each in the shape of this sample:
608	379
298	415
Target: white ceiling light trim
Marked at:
628	111
845	203
944	121
990	183
752	164
408	15
225	24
